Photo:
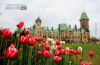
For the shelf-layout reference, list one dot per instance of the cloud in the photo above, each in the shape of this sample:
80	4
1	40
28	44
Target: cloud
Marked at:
52	12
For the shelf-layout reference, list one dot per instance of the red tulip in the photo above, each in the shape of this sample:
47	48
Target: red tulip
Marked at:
3	30
46	47
59	47
39	39
3	37
20	25
0	31
57	53
34	45
63	51
57	59
43	44
30	40
43	41
46	54
79	58
6	33
72	52
11	52
91	53
39	53
22	40
26	32
57	42
84	63
1	58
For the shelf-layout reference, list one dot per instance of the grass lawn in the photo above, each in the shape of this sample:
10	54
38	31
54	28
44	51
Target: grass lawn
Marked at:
86	48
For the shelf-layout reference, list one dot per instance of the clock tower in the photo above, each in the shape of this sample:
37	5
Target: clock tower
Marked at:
84	22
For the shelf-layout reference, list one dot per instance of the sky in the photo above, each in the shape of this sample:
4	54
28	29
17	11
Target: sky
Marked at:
51	12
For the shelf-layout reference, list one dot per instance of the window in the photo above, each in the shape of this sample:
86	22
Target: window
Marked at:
53	36
44	36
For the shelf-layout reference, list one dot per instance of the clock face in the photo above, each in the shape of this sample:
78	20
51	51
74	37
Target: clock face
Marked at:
84	24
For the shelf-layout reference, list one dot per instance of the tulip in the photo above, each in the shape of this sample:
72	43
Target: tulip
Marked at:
30	40
48	41
1	58
46	54
53	47
11	53
84	63
6	33
53	42
67	48
59	47
63	51
22	40
46	47
72	52
39	39
79	50
91	53
57	53
39	53
3	30
57	59
79	58
0	31
26	32
20	25
43	41
3	37
57	42
43	44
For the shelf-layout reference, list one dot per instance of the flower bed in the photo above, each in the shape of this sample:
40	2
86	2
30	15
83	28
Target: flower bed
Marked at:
22	48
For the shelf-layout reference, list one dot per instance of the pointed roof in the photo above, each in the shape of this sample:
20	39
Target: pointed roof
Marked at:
63	26
38	20
84	16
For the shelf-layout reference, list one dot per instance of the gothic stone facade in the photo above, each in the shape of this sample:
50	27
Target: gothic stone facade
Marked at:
64	32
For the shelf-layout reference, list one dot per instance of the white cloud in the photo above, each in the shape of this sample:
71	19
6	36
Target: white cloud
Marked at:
52	12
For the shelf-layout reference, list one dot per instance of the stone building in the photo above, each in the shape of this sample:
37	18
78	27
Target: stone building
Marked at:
64	32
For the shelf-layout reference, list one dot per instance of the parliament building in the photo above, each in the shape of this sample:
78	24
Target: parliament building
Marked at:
64	32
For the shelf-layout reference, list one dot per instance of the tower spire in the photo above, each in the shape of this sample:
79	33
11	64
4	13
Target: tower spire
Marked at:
75	27
84	21
84	16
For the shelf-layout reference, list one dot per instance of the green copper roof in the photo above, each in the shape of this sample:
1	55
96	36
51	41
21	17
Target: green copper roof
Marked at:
84	16
50	31
44	29
63	26
76	32
55	31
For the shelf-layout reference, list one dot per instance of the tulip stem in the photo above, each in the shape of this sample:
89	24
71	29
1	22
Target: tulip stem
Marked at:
30	55
5	45
9	62
21	55
4	48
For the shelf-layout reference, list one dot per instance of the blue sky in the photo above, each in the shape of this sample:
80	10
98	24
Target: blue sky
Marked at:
52	12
